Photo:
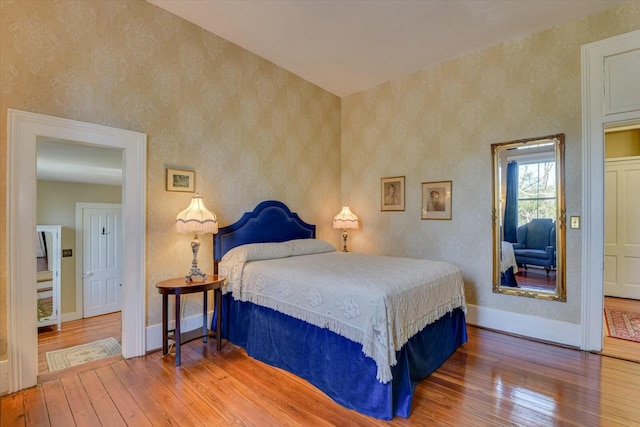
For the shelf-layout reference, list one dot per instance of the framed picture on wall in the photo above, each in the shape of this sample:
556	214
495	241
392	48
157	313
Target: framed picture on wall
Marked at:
436	200
392	193
181	180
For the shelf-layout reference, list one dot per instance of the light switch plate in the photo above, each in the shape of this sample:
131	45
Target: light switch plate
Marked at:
575	222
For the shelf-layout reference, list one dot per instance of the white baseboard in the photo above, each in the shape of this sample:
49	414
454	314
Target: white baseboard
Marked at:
528	326
154	332
4	377
68	317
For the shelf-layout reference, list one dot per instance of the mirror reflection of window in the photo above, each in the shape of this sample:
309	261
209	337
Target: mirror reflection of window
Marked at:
529	217
536	191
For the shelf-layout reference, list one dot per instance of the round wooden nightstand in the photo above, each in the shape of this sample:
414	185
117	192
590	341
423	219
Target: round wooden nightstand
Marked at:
179	286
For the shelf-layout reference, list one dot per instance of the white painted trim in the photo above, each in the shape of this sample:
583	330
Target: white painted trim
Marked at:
134	226
540	328
621	128
70	316
4	377
593	125
154	332
23	128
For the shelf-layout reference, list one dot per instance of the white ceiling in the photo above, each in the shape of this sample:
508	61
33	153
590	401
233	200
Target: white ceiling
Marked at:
346	46
59	160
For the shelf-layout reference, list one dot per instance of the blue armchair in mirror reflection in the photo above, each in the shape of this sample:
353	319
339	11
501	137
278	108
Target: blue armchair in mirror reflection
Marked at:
536	244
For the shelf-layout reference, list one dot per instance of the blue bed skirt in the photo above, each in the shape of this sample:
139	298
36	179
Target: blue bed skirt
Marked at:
508	278
337	365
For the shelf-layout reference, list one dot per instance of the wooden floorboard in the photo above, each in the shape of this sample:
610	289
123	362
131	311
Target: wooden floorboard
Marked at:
493	380
37	414
105	408
131	412
58	407
536	278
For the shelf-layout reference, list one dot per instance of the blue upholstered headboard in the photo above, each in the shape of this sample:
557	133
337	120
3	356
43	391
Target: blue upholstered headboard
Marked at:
270	221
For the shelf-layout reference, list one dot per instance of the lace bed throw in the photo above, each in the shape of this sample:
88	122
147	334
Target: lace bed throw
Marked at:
377	301
507	257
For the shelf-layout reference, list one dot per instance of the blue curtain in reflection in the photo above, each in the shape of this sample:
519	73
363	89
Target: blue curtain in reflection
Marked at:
511	204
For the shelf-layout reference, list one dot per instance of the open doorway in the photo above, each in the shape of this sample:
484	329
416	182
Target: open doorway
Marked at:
610	94
621	241
73	177
23	130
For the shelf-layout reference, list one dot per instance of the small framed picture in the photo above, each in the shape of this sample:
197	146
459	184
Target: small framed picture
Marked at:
392	193
181	180
436	200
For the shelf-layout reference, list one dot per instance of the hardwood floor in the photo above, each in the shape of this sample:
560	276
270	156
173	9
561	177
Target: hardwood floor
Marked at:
494	379
616	347
536	278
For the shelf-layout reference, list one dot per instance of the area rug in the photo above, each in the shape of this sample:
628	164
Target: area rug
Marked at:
623	324
73	356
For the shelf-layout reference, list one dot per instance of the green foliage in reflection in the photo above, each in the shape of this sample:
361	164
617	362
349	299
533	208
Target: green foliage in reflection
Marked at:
536	191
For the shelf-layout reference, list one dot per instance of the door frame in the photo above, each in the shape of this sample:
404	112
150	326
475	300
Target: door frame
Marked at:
80	207
23	128
594	122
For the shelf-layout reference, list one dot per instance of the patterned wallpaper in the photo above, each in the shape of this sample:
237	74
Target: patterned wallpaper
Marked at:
246	126
251	130
439	124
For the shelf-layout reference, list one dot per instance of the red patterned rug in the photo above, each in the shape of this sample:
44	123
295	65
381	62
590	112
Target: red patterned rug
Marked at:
623	324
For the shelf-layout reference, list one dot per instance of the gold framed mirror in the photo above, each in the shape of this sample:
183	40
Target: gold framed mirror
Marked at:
529	218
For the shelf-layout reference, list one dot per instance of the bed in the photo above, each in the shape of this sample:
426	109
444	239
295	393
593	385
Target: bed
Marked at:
376	370
508	265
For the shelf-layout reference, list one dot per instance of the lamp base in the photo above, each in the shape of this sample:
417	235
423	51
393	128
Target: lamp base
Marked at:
344	239
195	271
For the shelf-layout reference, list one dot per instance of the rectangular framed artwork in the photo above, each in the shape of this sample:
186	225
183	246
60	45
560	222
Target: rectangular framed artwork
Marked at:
392	193
436	200
181	180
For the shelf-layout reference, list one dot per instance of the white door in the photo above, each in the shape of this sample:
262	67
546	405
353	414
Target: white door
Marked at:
622	228
102	261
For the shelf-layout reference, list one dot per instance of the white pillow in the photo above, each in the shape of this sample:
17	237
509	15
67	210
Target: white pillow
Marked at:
258	251
310	246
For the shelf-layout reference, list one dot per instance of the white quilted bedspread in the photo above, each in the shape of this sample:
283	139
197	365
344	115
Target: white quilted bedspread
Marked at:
377	301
